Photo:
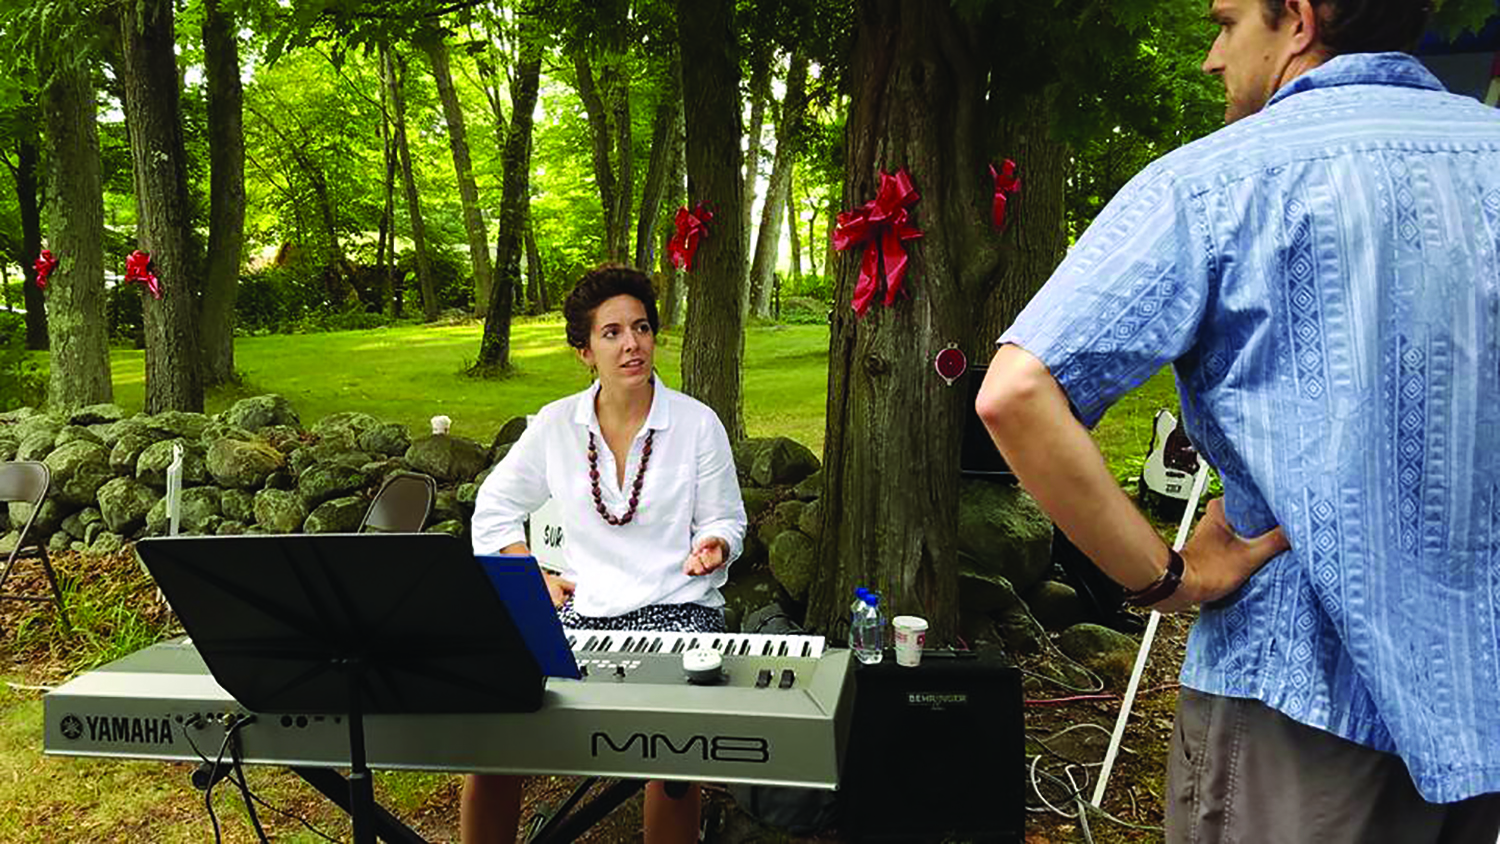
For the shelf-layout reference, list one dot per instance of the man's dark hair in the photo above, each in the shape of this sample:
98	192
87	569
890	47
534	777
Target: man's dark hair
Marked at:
1363	26
599	286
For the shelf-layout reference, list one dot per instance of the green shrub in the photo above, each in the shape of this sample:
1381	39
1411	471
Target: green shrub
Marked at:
818	287
351	317
122	308
452	276
804	310
22	383
276	299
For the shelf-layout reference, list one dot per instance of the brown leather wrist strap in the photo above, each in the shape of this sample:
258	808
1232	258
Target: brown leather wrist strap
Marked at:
1164	586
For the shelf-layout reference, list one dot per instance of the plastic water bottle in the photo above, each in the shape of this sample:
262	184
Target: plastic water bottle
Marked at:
867	627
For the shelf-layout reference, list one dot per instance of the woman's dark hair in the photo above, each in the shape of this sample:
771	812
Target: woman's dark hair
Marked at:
597	287
1363	26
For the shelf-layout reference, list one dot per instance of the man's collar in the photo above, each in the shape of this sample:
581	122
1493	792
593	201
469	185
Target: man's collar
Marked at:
1398	69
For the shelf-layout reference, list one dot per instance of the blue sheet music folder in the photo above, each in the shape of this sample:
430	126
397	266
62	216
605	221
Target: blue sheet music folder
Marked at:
519	583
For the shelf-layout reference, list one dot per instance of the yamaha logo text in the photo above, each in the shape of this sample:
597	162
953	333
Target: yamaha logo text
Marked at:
120	729
658	746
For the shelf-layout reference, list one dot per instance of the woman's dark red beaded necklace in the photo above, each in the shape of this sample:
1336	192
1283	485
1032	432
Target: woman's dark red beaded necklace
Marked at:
635	488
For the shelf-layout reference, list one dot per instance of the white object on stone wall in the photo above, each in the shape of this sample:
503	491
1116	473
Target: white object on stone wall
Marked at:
440	425
174	491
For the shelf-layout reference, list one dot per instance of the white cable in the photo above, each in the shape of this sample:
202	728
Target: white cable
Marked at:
1083	815
1037	788
1188	512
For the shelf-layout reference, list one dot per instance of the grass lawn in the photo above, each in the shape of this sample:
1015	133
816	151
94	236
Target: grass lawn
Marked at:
410	373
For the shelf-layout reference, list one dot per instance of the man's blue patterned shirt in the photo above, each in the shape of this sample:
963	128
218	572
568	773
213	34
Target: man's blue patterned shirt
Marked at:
1324	276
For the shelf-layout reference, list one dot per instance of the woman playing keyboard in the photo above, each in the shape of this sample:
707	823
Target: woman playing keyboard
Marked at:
650	505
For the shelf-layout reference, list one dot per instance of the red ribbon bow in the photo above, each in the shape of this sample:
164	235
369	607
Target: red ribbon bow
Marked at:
44	265
1006	184
881	225
691	225
138	270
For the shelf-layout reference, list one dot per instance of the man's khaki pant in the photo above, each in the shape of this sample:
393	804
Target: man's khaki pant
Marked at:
1240	771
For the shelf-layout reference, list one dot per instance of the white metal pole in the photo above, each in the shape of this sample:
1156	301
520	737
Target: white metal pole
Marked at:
1199	482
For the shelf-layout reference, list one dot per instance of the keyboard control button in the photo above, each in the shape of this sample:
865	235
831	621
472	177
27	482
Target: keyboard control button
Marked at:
788	677
763	679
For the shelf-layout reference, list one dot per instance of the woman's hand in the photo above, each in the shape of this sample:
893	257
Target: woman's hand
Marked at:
560	590
707	557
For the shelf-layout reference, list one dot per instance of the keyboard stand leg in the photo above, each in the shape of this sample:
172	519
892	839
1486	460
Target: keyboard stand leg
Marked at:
335	787
569	825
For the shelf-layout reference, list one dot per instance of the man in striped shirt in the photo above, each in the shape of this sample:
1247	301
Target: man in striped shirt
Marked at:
1324	274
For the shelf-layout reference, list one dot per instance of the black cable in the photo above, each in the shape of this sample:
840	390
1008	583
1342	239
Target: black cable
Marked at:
1070	760
284	813
262	801
239	778
208	793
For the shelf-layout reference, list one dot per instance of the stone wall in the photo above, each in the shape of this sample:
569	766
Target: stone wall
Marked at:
251	469
256	469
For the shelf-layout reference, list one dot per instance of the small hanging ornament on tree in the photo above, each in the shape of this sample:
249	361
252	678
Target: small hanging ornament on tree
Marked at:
881	226
1007	184
44	265
691	226
138	271
950	363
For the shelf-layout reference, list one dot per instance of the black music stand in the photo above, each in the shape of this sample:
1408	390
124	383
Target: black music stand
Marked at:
347	623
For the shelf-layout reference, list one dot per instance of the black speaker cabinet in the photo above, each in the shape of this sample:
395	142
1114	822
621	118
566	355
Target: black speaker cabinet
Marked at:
936	752
978	457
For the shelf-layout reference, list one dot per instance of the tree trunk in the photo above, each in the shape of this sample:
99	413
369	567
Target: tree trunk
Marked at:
617	88
226	215
662	142
760	93
919	77
791	225
812	239
536	282
76	322
25	173
468	194
788	133
339	290
601	142
386	265
831	255
1035	237
149	77
674	282
494	346
395	71
714	340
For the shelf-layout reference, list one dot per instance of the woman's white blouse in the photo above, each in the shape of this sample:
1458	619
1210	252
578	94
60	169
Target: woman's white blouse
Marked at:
690	491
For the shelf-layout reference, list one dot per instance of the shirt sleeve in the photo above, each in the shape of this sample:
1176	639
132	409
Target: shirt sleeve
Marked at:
513	491
1128	298
718	509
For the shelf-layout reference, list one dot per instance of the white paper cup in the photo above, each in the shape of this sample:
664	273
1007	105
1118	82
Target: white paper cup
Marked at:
911	635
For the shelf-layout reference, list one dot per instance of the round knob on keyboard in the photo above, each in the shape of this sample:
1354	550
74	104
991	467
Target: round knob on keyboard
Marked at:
704	666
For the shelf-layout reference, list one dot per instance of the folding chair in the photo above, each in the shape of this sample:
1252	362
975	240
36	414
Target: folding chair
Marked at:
28	481
401	505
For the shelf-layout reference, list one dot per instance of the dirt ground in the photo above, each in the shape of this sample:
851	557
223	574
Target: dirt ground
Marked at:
1055	719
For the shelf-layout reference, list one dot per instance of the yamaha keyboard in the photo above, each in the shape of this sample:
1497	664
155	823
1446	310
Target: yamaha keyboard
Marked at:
779	716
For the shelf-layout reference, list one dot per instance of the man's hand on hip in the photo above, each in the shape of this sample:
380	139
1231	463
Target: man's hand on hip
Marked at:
1219	561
